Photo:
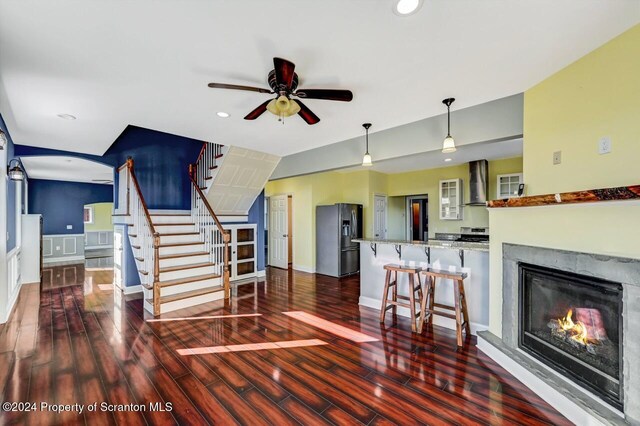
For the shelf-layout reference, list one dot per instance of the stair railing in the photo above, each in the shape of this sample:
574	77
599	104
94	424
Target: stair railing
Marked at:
147	237
207	162
216	239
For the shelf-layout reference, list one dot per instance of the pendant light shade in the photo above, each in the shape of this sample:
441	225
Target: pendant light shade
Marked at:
448	145
366	160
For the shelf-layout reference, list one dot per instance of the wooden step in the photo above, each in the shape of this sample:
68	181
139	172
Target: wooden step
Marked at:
148	287
208	178
140	259
133	235
173	256
213	167
186	280
143	272
183	267
218	156
135	247
195	243
203	187
187	295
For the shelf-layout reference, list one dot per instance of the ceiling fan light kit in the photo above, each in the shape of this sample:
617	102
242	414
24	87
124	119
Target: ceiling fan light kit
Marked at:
448	145
284	83
366	160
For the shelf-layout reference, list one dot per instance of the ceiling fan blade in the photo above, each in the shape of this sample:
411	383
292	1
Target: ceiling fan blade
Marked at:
284	71
238	87
258	111
307	115
328	94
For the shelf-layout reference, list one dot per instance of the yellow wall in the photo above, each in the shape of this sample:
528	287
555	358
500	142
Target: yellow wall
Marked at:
597	95
360	187
101	217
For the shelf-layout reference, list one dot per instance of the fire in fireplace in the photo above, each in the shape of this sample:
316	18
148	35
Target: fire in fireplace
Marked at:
572	323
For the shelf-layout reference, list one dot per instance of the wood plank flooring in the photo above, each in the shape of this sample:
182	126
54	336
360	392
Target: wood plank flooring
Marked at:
87	344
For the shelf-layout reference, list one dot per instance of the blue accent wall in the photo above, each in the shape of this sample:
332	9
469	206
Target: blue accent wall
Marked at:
61	203
256	215
161	161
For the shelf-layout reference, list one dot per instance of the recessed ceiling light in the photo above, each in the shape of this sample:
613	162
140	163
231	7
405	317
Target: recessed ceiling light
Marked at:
406	7
446	160
67	116
222	114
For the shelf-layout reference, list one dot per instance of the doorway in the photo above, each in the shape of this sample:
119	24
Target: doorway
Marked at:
380	217
418	218
279	231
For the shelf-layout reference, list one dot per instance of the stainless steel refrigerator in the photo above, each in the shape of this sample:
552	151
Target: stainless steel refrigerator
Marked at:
337	226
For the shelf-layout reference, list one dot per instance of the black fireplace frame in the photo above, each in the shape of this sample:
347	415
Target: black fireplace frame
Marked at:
594	283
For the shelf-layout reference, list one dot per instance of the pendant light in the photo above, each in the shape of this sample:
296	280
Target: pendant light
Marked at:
15	172
448	145
366	160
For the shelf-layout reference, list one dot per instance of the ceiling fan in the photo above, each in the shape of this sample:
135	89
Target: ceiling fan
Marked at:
284	83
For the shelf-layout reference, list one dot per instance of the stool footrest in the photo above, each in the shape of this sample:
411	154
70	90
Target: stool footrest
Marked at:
441	306
442	314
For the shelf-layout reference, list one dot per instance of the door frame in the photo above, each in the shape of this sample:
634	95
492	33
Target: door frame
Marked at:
293	239
386	213
409	221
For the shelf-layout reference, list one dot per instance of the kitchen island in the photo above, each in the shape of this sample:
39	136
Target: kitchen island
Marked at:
472	258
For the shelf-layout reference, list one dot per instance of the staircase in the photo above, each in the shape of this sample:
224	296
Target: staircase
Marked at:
181	256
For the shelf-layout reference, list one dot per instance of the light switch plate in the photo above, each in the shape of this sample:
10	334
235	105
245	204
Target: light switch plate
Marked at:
69	226
557	157
604	145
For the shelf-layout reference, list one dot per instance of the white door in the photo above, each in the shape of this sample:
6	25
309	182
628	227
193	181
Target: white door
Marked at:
380	217
278	228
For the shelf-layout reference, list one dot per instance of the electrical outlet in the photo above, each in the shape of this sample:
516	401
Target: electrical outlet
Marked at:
69	226
57	248
604	145
557	157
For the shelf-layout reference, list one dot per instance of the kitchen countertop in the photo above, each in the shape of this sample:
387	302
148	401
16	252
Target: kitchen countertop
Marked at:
460	245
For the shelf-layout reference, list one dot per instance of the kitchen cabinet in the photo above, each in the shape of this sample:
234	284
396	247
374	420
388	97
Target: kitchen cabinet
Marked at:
242	251
508	185
451	199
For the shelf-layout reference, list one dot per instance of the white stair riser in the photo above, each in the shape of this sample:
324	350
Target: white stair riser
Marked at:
172	229
170	219
171	239
193	301
181	249
177	261
185	273
198	285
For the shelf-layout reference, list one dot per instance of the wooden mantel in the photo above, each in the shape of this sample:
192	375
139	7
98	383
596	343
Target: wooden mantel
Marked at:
587	196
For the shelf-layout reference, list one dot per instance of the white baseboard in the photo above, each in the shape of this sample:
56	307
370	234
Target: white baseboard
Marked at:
553	397
61	259
98	247
304	269
132	289
262	273
437	320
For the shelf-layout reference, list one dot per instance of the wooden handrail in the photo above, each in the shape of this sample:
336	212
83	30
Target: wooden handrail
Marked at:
202	150
142	201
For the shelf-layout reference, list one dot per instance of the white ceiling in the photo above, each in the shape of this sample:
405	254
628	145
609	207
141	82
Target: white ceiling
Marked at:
72	169
434	159
147	63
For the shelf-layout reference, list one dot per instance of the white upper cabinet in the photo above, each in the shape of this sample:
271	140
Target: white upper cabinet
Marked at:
508	185
451	199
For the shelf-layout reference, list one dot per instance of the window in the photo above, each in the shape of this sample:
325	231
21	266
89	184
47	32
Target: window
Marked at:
508	185
88	214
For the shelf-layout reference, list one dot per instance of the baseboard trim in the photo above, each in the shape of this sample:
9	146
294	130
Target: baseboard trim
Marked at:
132	289
48	260
304	269
262	273
449	323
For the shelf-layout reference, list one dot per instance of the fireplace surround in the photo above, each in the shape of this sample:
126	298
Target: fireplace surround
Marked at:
622	273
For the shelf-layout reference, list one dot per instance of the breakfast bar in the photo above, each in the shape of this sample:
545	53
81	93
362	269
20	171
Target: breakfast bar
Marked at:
469	257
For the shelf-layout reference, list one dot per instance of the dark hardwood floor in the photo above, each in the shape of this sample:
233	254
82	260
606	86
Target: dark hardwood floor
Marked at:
86	344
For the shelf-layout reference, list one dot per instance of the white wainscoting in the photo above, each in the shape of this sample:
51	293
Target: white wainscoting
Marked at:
13	280
62	248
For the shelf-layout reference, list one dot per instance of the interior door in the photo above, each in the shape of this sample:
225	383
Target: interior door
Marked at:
278	232
380	217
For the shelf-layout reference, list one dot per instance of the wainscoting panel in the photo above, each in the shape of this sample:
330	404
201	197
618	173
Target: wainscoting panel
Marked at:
98	239
62	248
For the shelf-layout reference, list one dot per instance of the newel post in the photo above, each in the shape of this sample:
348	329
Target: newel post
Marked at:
156	273
226	239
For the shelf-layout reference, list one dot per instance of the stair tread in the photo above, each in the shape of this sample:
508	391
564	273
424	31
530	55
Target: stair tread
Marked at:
186	280
193	243
213	167
189	266
218	156
143	272
174	256
177	234
169	214
188	294
175	224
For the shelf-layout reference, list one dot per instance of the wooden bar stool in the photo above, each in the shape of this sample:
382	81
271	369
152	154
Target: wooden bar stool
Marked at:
393	285
428	305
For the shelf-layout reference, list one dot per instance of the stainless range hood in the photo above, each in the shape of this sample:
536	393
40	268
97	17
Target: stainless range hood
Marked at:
478	183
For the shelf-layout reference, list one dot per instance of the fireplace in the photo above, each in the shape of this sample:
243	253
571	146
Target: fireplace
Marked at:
573	324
